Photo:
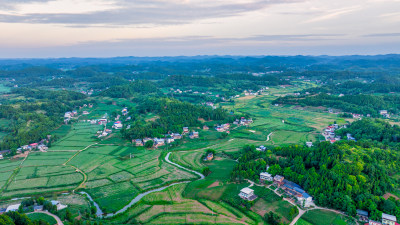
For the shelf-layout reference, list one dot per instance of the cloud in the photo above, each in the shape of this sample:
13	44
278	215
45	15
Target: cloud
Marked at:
144	12
11	5
333	14
383	35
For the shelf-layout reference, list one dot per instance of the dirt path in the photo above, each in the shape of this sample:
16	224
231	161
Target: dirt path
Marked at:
82	184
269	135
14	173
59	222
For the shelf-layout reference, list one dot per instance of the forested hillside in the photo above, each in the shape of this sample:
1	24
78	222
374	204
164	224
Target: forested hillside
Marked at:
173	116
32	120
361	104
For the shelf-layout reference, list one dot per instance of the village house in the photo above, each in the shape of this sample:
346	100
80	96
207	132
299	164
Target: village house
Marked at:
371	222
117	125
205	127
58	205
278	179
220	128
245	122
362	215
176	136
388	219
159	142
85	113
102	121
247	194
295	190
350	138
185	130
193	135
68	115
265	176
309	144
1	156
170	140
34	145
209	157
261	148
124	111
37	208
42	148
138	142
12	208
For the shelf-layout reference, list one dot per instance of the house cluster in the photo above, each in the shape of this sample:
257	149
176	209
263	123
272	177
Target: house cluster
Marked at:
36	208
386	218
384	113
243	121
103	133
157	142
69	115
247	194
223	127
290	188
211	104
329	133
40	146
102	121
356	116
88	92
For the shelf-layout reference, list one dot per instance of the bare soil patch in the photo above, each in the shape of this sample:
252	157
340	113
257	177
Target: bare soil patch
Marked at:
248	97
388	195
215	184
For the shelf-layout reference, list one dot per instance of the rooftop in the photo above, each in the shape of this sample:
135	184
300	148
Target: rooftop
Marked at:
247	190
362	212
388	217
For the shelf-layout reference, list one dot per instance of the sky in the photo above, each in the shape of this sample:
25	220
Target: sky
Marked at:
108	28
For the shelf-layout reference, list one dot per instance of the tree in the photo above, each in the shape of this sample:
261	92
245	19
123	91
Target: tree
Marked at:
272	218
206	171
6	220
68	215
93	210
293	212
149	144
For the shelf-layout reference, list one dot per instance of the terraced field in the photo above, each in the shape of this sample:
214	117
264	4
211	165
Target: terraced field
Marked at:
118	172
189	159
106	171
170	207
